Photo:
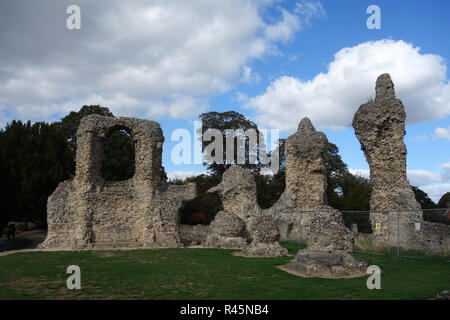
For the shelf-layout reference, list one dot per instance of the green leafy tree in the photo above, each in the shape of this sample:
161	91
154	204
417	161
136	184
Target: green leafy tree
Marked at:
118	162
223	121
423	198
355	192
337	174
68	125
38	159
8	189
444	201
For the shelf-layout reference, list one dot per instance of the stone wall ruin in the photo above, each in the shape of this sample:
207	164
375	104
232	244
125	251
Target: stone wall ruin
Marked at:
89	212
242	223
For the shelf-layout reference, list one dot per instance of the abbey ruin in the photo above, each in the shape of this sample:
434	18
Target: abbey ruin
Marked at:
89	212
380	127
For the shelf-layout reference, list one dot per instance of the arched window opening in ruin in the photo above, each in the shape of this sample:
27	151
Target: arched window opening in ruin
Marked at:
200	210
118	155
203	208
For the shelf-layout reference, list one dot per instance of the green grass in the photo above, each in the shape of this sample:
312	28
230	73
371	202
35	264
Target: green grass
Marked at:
205	274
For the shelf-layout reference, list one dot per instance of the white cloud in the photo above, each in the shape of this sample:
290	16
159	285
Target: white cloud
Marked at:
145	58
442	133
435	192
285	29
310	9
365	173
420	138
446	168
415	177
434	184
183	174
332	98
248	76
423	177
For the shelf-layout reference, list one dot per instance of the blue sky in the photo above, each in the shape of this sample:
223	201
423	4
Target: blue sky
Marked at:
273	61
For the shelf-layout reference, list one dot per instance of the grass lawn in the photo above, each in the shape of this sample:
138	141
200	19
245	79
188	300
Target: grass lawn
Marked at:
205	274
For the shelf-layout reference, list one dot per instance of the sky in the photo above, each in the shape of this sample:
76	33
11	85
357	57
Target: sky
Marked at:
274	61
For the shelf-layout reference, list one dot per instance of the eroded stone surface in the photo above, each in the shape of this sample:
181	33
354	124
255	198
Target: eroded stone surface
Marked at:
260	233
306	178
227	230
329	250
90	212
193	235
328	232
380	127
306	181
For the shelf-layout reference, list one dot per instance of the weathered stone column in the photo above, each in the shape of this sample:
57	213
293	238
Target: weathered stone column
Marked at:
306	178
306	181
380	127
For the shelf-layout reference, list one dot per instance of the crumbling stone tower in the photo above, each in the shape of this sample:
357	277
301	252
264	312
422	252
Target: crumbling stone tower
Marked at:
306	178
90	212
380	127
306	181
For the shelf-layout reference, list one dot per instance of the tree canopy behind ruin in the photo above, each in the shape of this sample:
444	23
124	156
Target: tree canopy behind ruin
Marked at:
224	121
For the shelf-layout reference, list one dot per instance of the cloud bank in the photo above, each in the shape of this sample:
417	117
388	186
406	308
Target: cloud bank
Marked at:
434	184
332	98
142	58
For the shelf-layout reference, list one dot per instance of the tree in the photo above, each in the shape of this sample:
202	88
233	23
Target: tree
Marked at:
230	120
444	202
68	125
7	191
37	158
354	201
423	199
356	192
337	175
118	161
269	188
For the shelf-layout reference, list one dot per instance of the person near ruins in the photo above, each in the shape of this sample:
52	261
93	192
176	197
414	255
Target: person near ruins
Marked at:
12	229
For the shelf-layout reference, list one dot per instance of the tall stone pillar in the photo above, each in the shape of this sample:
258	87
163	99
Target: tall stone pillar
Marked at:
306	178
306	182
380	127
